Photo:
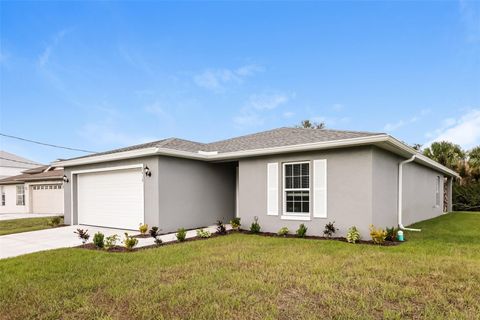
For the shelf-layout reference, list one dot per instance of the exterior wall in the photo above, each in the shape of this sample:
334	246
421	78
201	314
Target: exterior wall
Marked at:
349	190
418	191
151	190
194	194
11	200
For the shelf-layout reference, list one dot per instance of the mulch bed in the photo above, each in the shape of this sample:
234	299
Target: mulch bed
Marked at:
91	246
147	235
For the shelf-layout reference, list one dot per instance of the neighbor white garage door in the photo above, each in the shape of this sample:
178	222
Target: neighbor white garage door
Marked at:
47	198
111	198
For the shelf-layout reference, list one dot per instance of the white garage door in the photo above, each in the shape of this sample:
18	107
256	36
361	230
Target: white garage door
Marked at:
111	198
47	198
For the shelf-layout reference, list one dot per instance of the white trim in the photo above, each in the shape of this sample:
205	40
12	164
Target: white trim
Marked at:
309	189
295	218
323	213
133	166
108	157
272	189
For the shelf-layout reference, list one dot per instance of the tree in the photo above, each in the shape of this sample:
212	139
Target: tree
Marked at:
474	163
417	146
446	153
307	124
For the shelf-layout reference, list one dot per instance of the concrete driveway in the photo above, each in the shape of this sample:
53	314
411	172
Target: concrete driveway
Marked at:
13	216
17	244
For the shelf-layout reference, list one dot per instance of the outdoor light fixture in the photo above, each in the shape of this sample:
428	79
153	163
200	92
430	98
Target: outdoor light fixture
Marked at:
65	179
148	173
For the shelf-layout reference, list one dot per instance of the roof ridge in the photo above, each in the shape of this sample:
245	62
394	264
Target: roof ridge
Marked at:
247	135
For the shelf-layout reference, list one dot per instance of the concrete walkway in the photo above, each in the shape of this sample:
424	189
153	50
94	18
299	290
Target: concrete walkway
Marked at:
17	244
13	216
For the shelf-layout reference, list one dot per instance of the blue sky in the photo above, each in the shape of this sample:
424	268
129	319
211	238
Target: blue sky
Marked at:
100	75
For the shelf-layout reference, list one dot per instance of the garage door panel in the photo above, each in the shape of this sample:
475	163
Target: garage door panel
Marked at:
111	198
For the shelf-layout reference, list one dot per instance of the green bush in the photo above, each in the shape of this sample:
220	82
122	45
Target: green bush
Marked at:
111	241
391	234
203	233
55	221
221	229
301	231
353	235
330	229
130	242
255	227
143	228
98	240
83	235
181	234
378	235
155	234
467	197
283	231
235	223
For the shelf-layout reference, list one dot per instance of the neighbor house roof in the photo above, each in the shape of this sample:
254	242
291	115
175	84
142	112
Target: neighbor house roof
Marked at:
281	140
8	159
48	173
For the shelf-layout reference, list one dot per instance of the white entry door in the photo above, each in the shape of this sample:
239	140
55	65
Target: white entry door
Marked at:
111	198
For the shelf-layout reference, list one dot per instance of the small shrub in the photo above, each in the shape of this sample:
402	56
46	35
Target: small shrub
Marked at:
203	233
235	223
255	227
353	235
129	242
301	231
283	232
181	234
378	235
98	240
143	228
330	229
83	235
155	233
391	234
221	228
55	221
111	241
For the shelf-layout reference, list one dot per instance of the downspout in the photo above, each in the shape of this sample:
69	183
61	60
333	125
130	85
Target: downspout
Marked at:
400	193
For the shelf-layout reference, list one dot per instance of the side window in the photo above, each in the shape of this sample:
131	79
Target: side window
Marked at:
437	191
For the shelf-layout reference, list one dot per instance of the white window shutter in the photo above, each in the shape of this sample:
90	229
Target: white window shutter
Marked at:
272	189
320	188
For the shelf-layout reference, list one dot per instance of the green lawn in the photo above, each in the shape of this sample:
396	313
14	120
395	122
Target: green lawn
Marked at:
23	225
435	275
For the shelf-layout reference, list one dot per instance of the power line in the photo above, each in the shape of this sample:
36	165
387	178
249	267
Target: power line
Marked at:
46	144
25	162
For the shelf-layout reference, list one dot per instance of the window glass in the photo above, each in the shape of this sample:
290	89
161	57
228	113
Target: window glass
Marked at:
297	184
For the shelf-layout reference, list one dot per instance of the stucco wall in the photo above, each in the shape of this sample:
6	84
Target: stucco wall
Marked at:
418	190
151	185
11	200
349	190
194	194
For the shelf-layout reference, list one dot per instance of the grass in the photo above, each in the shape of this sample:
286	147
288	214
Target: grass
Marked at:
435	275
24	225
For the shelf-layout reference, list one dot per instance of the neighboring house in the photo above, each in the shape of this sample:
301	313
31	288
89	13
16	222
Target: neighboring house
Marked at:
285	177
37	190
12	165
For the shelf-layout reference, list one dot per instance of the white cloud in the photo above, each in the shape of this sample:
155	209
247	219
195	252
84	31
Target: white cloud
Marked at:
158	111
267	101
288	114
44	57
389	127
253	112
464	131
216	79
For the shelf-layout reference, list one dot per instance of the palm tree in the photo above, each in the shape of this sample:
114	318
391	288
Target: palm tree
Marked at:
446	153
307	124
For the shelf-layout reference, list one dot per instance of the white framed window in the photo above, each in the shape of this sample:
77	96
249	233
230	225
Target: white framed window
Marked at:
3	200
20	195
296	188
437	191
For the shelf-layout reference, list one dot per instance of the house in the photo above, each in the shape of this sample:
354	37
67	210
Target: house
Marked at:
12	165
285	177
36	190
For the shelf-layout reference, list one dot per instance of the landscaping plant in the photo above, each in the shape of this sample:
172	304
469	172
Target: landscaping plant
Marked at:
181	234
391	234
353	235
255	227
98	240
283	231
203	233
143	228
235	223
83	235
55	221
111	241
155	233
378	235
130	242
221	228
330	229
301	231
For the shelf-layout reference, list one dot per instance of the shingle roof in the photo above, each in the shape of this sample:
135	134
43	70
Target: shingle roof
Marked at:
8	159
56	174
266	139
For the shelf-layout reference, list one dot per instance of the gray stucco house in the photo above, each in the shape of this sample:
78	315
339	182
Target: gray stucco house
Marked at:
284	176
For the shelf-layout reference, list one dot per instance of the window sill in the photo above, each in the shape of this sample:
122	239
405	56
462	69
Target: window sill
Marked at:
297	218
